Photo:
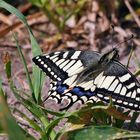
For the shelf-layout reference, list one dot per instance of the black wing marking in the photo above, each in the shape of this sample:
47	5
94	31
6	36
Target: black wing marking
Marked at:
59	66
79	95
60	92
52	94
120	84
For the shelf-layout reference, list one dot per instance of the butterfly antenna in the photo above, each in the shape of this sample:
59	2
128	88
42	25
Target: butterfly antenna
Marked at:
126	40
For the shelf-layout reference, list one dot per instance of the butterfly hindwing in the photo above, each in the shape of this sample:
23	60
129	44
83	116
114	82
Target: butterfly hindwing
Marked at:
119	84
60	92
52	94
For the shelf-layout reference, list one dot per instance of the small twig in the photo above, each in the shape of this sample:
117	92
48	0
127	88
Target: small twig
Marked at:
25	7
137	72
134	15
32	19
5	19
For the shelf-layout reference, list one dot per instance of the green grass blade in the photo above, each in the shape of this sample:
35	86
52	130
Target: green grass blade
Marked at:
24	63
40	115
133	120
35	48
32	123
7	121
7	65
34	109
58	114
51	126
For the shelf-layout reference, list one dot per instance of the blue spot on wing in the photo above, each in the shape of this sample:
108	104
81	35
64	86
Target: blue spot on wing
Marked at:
61	87
75	91
81	92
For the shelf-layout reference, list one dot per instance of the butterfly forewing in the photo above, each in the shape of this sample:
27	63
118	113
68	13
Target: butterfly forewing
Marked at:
59	66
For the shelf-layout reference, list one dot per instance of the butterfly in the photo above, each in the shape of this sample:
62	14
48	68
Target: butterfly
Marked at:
88	76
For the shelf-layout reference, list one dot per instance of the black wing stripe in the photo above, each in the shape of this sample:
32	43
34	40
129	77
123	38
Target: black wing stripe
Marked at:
125	77
118	99
113	85
131	85
75	67
55	59
60	61
64	64
118	88
48	66
65	68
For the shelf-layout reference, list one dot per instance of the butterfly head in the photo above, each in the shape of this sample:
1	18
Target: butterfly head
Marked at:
109	56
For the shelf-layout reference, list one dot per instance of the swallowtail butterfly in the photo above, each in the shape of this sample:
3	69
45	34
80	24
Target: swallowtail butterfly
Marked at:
86	76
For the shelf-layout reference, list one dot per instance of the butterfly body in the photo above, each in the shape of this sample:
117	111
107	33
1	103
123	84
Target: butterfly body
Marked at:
86	76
